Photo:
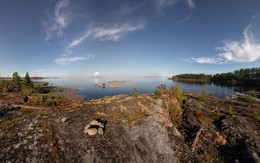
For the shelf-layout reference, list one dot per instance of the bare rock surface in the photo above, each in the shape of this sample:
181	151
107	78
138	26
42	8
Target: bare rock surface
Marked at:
130	129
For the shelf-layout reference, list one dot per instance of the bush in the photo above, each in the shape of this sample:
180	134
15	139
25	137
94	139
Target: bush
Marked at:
257	114
203	94
178	93
135	92
174	113
158	93
3	85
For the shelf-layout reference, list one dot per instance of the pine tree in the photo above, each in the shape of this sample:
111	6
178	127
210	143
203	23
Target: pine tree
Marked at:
16	81
27	85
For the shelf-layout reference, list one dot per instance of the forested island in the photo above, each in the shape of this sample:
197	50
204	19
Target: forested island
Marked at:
250	76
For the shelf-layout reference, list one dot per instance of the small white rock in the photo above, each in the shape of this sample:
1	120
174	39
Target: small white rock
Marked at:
92	131
63	120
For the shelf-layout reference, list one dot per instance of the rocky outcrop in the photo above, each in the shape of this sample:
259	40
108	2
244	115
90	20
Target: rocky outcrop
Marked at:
130	129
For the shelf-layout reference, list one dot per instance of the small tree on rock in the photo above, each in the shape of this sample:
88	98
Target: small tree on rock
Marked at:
16	81
27	85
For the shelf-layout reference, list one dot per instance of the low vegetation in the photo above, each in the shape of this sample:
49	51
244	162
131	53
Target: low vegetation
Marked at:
203	94
178	93
135	92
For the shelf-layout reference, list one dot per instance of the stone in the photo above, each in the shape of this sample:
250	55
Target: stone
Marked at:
17	146
100	131
63	120
92	131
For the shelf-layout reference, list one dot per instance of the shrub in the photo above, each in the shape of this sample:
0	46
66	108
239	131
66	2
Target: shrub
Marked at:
174	113
203	94
158	93
162	87
178	93
4	85
135	92
251	99
257	114
230	110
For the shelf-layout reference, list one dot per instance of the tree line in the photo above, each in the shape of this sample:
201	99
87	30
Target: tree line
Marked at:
242	76
17	84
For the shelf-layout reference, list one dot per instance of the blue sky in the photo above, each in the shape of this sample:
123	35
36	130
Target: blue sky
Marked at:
128	37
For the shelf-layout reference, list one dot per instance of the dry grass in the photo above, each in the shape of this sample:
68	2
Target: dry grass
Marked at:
136	116
10	123
52	142
117	116
11	135
32	112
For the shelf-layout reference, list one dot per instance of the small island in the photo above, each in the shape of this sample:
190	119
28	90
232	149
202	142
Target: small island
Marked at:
113	83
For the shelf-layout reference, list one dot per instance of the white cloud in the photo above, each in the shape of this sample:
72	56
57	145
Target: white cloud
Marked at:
115	32
107	32
66	60
191	4
246	50
160	4
58	21
206	60
39	70
96	74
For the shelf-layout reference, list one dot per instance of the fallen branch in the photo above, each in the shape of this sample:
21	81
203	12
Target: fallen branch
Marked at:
197	138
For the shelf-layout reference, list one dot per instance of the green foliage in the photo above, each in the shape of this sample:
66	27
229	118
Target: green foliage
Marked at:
257	114
135	92
230	110
174	113
253	93
178	93
3	85
51	99
242	76
199	107
54	99
248	75
193	77
16	81
27	85
158	93
162	87
38	99
203	94
251	99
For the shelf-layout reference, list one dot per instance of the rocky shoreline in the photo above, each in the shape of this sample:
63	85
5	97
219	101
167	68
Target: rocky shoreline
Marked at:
131	129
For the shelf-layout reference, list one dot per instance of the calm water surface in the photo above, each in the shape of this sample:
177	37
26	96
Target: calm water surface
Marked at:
88	89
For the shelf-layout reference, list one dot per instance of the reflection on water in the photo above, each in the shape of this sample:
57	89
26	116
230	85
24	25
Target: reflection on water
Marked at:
88	89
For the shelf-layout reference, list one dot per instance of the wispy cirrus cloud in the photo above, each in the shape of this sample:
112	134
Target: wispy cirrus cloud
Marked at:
39	70
161	4
246	50
67	60
191	4
107	33
56	23
206	60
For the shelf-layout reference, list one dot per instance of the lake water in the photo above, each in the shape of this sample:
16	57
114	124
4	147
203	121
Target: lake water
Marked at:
87	88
